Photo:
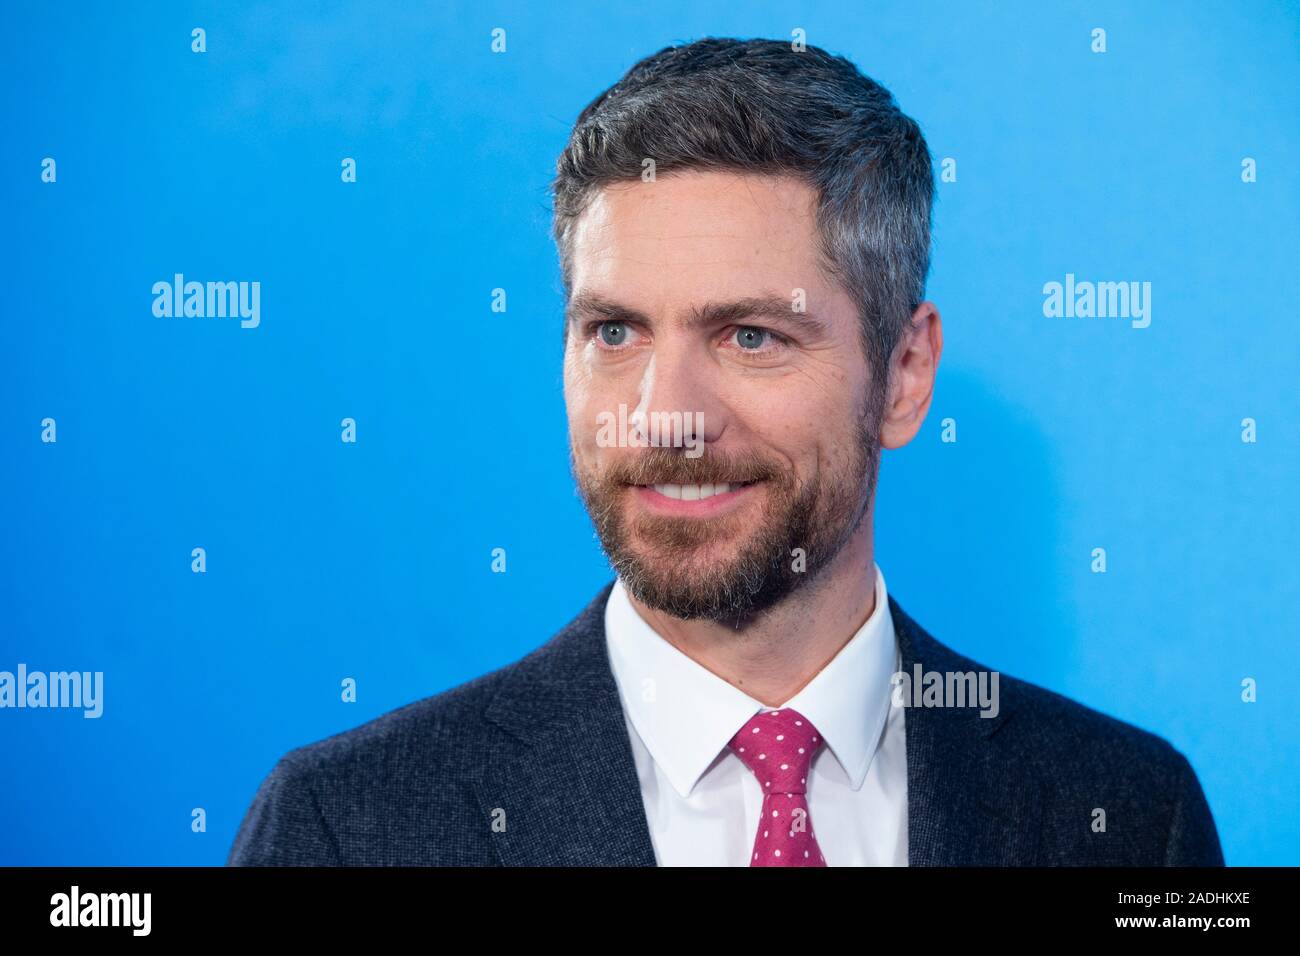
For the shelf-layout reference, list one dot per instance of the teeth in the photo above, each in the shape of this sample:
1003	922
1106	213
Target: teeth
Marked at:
691	492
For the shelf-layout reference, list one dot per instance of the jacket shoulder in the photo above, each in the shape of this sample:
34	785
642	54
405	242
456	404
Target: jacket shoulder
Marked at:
1084	760
396	790
1047	724
1100	768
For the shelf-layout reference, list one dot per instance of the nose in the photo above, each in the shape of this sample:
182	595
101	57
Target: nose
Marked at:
678	403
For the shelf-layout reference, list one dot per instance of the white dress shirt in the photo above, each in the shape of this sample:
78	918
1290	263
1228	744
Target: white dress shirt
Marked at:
702	803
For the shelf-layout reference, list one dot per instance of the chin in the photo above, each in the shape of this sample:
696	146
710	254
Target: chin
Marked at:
685	559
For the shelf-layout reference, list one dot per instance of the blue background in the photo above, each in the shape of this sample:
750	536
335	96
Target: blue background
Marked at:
372	561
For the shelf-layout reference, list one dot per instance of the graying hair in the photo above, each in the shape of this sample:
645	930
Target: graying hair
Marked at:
760	106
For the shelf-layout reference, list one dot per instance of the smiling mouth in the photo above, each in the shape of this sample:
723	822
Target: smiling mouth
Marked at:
697	492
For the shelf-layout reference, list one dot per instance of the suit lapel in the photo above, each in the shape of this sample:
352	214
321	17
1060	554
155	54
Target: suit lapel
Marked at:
968	802
562	778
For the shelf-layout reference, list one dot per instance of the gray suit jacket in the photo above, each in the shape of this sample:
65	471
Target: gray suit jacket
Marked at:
541	746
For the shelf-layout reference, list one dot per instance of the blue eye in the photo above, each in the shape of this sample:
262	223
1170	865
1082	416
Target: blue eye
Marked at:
748	337
613	333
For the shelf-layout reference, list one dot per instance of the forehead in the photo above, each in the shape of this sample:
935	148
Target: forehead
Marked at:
694	235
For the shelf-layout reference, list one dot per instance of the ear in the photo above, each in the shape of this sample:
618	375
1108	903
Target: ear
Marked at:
911	377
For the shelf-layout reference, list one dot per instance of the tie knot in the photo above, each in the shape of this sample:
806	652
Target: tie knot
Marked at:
778	746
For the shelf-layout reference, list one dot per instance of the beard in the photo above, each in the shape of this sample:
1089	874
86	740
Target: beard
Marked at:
731	568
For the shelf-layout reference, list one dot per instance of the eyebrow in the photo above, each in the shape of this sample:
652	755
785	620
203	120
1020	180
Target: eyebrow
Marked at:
768	305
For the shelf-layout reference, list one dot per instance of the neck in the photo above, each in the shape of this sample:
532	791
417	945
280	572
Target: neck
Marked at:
775	655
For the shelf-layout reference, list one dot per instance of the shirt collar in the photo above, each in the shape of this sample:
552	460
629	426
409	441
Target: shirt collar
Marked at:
686	714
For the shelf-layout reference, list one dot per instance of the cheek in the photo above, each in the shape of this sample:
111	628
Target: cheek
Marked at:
808	423
580	404
795	417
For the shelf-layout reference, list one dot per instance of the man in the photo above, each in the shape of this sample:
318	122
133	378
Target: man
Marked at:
744	239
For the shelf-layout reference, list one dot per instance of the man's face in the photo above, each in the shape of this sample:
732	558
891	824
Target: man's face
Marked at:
685	298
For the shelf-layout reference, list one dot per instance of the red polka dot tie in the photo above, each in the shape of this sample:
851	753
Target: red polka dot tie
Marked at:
778	746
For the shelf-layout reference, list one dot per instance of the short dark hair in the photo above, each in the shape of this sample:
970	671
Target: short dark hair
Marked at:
762	106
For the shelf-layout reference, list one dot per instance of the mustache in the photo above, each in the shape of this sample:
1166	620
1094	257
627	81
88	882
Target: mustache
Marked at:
668	466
